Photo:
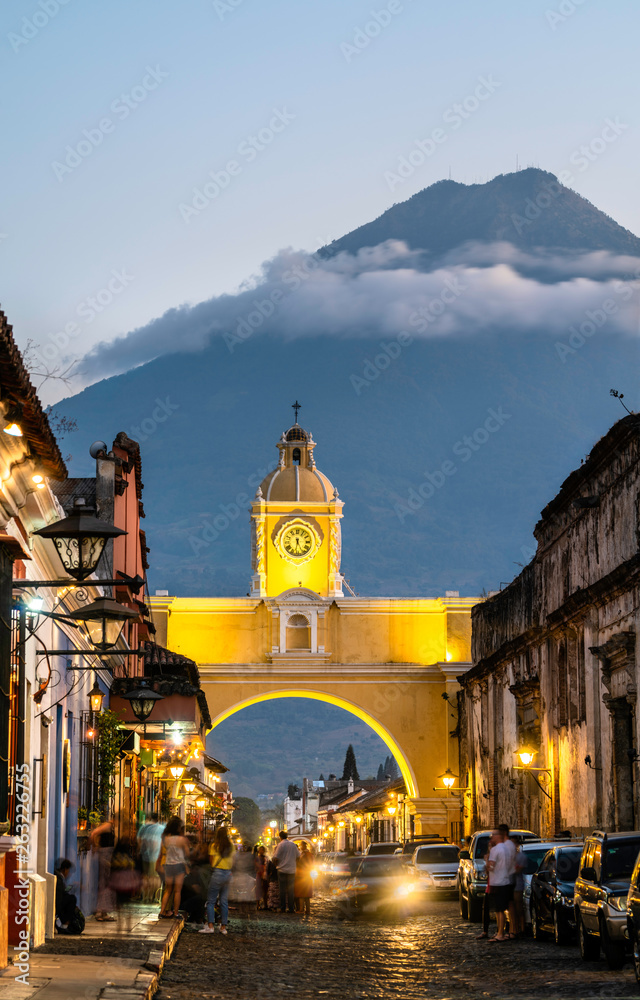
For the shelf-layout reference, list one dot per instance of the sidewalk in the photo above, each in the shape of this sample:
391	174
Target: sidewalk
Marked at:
102	963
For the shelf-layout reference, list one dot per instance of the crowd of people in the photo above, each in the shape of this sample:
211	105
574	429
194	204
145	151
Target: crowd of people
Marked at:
505	866
190	875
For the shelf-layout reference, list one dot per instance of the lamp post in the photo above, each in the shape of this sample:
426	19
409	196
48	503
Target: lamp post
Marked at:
103	621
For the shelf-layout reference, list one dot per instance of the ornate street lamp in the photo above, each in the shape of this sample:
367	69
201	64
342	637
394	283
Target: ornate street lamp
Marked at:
201	803
96	698
391	809
448	779
80	540
526	756
177	771
189	786
103	621
142	700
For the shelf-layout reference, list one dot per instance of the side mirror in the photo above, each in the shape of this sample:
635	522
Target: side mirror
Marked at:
588	874
464	856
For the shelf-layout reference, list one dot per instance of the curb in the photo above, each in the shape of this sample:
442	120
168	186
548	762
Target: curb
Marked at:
146	982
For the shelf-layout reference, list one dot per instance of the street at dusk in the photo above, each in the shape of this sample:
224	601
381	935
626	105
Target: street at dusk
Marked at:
319	500
434	955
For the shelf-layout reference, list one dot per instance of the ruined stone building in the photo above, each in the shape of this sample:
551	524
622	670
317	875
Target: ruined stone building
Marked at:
556	663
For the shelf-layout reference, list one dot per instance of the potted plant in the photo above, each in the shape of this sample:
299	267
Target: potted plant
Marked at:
82	818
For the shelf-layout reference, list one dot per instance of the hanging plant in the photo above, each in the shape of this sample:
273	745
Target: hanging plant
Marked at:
110	739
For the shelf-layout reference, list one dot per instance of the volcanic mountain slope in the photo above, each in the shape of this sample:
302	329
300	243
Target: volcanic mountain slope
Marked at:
529	208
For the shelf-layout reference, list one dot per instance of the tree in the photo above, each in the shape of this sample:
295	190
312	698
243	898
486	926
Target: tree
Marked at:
350	769
380	774
247	818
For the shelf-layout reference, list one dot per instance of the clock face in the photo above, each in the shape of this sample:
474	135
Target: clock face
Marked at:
297	541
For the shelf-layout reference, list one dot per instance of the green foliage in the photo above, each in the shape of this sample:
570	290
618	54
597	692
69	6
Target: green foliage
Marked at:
247	818
110	739
350	769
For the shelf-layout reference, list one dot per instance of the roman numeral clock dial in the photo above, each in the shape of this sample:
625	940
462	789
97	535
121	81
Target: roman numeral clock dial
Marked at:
297	541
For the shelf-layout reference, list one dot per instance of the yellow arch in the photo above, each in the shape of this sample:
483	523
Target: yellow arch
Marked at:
405	768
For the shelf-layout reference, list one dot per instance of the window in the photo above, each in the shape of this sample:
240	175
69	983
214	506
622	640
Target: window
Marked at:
597	860
298	633
437	856
296	456
567	865
620	858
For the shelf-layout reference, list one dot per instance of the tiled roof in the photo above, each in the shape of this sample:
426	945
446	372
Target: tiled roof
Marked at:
67	490
162	664
16	387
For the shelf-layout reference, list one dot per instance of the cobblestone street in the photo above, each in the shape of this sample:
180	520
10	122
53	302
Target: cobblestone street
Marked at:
433	955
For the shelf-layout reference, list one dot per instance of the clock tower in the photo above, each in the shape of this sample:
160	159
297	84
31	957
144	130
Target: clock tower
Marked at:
295	524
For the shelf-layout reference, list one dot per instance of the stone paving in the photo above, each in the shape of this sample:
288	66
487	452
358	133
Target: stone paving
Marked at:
431	956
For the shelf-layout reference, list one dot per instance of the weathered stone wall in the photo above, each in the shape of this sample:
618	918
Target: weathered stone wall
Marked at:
556	660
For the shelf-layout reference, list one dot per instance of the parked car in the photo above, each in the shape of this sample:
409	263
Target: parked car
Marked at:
633	917
600	895
435	866
409	846
380	883
533	854
384	847
472	877
552	888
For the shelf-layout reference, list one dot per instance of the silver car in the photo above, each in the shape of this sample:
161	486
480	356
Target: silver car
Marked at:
435	867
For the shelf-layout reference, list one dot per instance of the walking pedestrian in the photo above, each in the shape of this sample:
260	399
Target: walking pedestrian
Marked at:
501	866
221	864
242	891
303	884
102	841
518	927
273	886
149	845
125	880
285	858
487	901
262	882
177	850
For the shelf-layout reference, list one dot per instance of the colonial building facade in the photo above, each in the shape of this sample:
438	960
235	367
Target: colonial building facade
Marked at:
300	633
548	724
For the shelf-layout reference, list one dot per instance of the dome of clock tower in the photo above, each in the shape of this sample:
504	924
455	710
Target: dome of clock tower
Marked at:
296	478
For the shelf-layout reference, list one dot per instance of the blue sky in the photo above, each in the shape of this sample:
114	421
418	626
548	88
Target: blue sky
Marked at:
201	77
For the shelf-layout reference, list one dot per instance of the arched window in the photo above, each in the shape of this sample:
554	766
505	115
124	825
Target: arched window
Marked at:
298	633
296	456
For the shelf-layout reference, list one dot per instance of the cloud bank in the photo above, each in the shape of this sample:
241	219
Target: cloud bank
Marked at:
383	290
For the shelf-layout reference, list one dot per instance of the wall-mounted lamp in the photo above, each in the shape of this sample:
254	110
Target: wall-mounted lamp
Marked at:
587	761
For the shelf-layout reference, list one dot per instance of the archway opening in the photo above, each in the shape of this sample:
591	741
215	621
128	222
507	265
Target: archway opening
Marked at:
386	737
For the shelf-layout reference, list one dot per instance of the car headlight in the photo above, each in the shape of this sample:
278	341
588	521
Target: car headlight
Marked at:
406	889
313	873
618	903
527	890
481	876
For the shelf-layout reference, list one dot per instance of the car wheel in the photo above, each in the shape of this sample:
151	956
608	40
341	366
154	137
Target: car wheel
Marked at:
536	930
560	935
464	907
613	951
636	956
475	909
589	946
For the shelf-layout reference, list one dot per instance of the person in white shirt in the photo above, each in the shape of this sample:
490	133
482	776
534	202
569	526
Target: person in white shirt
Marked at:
502	866
285	857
